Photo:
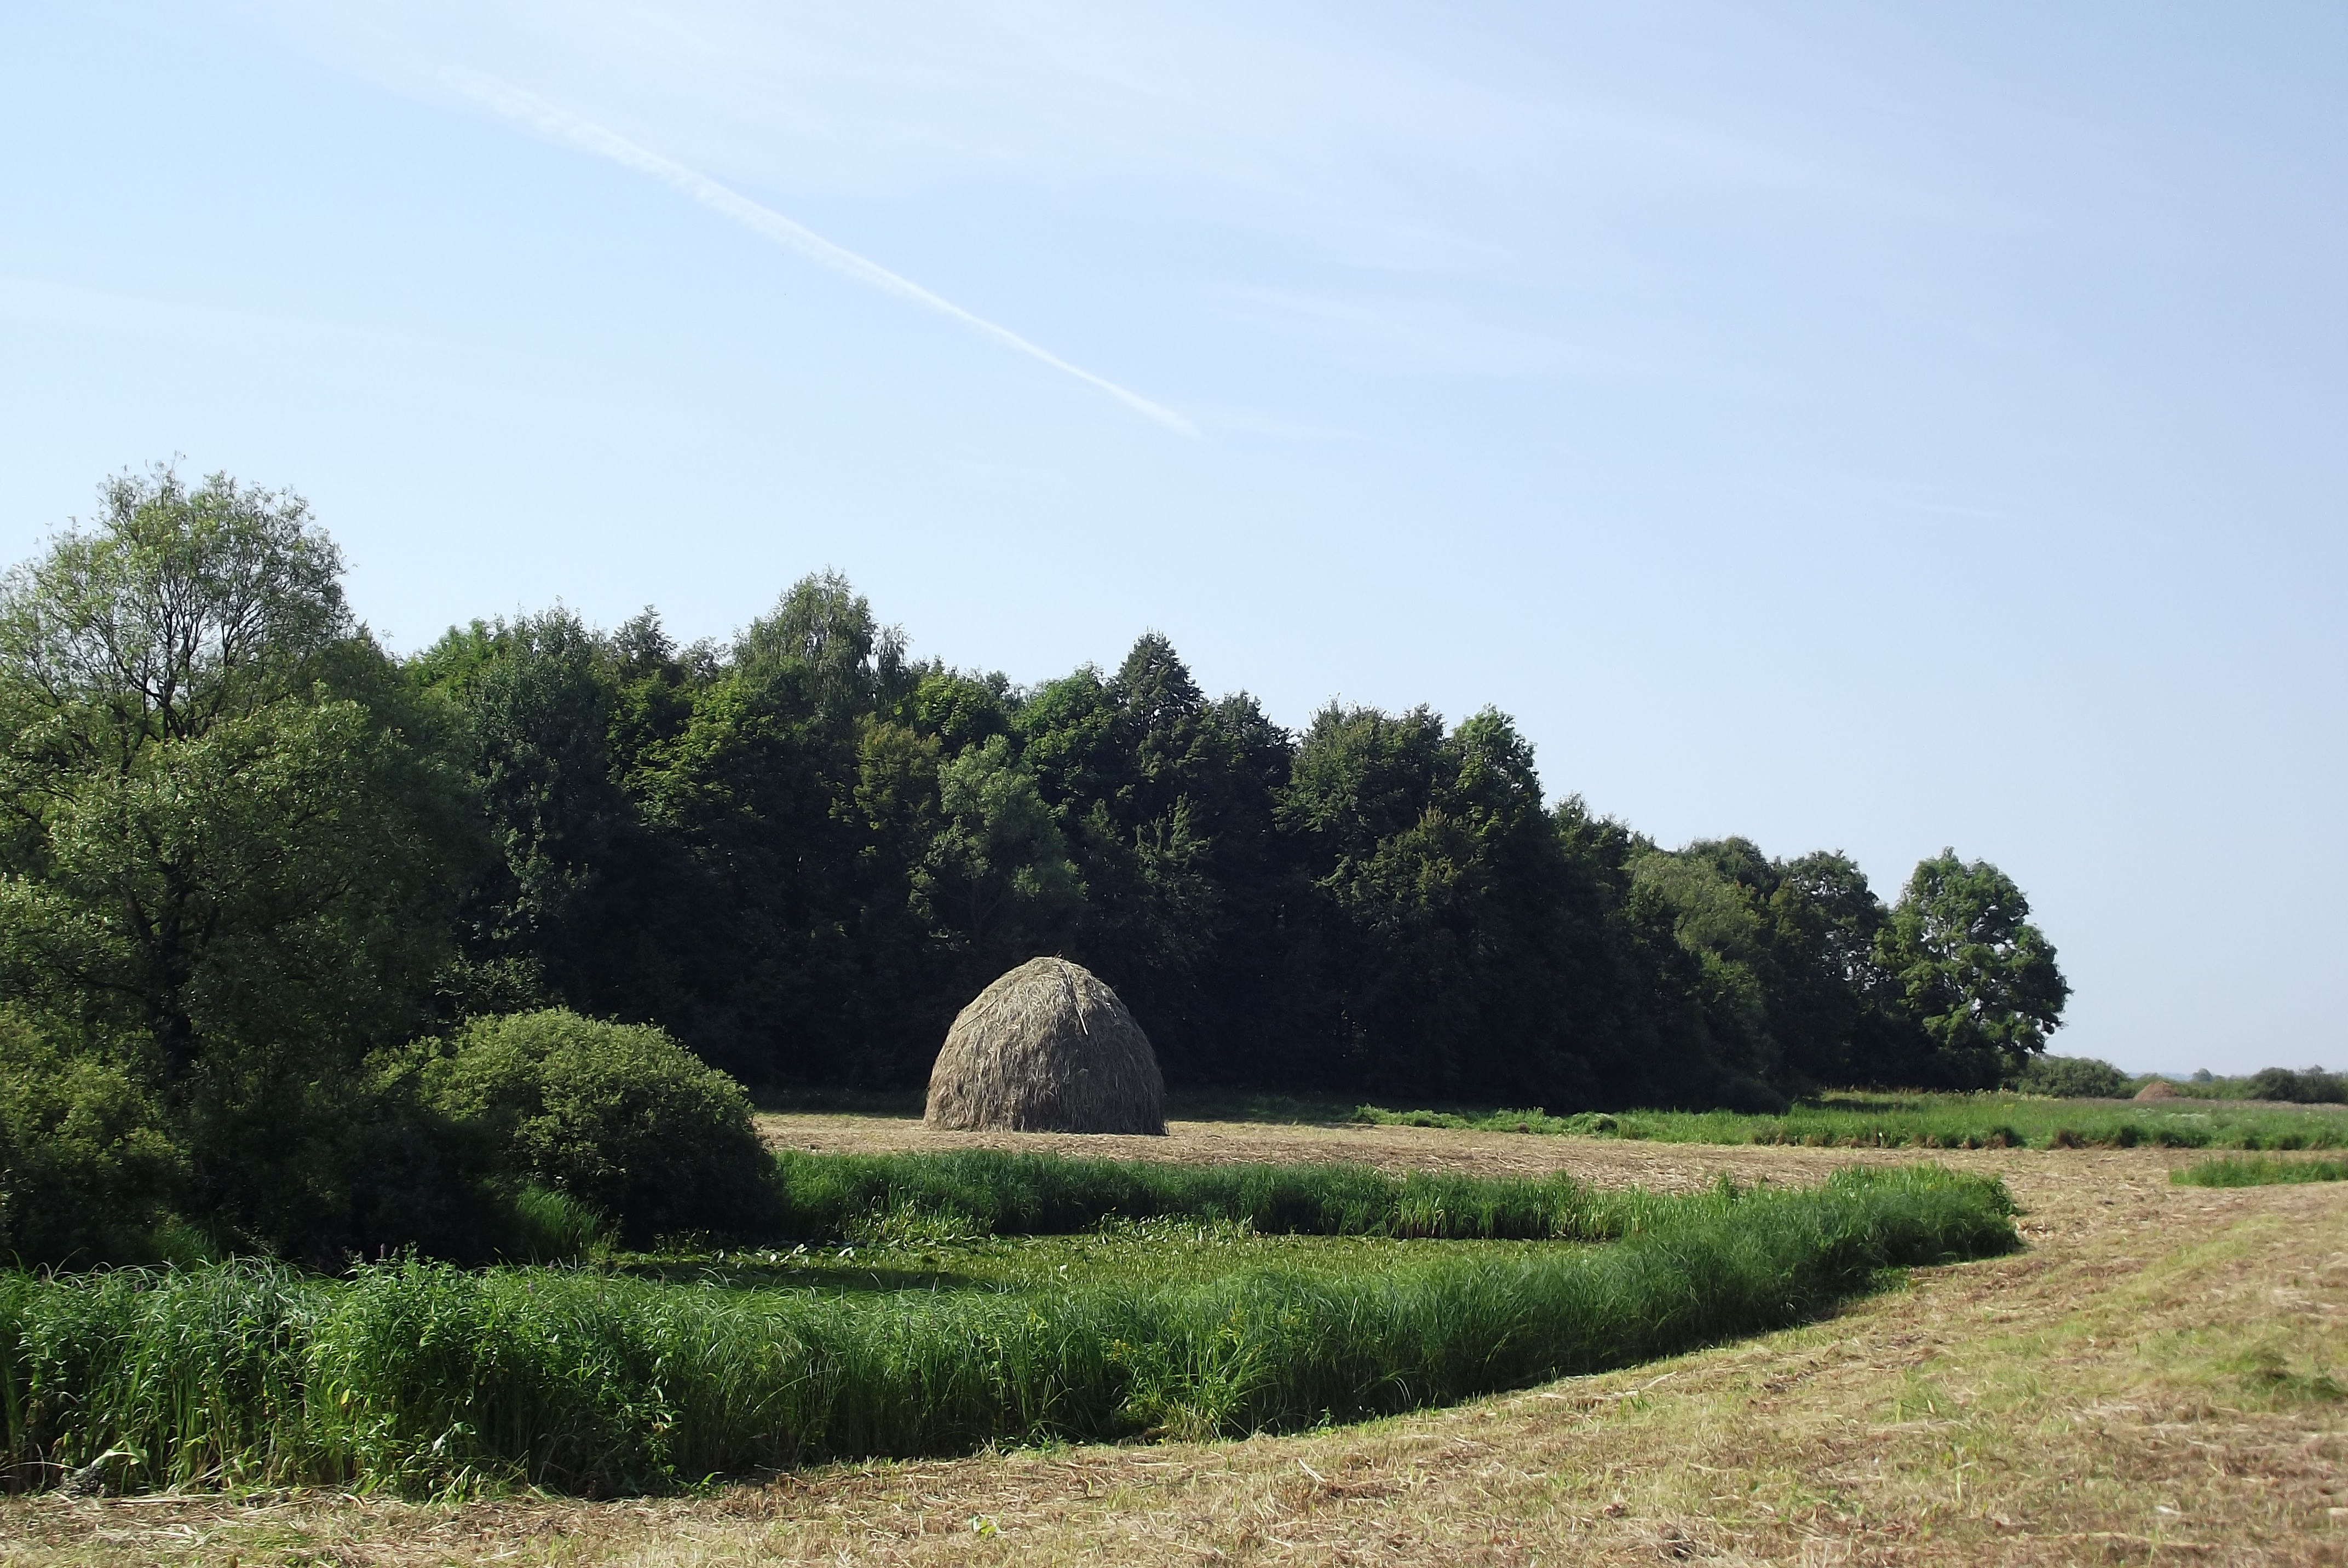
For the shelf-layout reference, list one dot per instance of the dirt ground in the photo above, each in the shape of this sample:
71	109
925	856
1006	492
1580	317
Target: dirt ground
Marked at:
2158	1376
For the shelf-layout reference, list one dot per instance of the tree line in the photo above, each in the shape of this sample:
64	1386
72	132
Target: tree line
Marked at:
803	851
247	850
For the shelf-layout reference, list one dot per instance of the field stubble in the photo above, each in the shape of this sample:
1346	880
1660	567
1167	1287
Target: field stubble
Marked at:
2157	1379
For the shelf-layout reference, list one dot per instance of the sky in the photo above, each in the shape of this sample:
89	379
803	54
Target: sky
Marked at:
1850	427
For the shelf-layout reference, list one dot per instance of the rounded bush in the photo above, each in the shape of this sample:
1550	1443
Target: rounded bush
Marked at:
618	1117
2311	1087
2071	1077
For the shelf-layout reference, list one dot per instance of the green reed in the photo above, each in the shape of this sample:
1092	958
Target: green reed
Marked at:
2258	1173
421	1377
1047	1194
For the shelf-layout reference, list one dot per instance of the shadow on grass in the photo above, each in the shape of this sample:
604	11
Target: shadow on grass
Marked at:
899	1104
1259	1105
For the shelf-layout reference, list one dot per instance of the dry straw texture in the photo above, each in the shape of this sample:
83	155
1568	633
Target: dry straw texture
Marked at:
1048	1048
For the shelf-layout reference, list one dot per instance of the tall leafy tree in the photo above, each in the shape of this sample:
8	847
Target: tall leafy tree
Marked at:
1167	800
1972	972
1635	1015
995	879
822	641
226	849
1718	891
1791	989
1443	926
535	701
1837	1014
218	826
774	956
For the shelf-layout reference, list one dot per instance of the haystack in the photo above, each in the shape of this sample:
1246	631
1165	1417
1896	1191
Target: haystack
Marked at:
2159	1088
1048	1048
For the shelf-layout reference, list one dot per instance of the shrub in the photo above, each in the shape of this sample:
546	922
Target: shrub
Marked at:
2071	1077
87	1169
320	1171
2312	1086
618	1117
94	1169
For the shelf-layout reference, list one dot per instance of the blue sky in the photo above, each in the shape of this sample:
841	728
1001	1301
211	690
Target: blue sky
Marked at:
1851	426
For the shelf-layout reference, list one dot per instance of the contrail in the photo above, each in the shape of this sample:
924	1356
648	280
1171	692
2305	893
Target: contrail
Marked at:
563	126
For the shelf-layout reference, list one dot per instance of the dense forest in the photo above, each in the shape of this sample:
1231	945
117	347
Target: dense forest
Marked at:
249	854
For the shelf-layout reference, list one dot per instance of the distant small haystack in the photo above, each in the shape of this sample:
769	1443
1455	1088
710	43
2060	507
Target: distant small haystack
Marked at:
2159	1088
1048	1048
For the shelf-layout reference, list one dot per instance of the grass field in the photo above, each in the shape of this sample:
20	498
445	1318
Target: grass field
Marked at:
2156	1378
1995	1120
2255	1172
923	1339
1989	1121
1005	1193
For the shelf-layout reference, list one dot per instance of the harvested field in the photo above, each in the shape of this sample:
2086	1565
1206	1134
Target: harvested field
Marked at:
2157	1379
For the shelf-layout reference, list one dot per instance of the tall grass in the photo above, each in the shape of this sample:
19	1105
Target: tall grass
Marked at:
193	1376
1047	1194
2258	1173
424	1378
1989	1121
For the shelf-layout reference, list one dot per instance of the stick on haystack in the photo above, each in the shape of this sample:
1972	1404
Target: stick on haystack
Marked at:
1048	1048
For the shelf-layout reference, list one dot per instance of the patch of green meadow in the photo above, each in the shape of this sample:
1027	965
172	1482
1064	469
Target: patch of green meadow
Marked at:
1983	1120
917	1333
2255	1172
909	1250
1001	1191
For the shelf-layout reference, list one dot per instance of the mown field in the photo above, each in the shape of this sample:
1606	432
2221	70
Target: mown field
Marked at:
2157	1376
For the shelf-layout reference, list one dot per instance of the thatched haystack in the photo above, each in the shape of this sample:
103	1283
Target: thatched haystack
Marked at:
1048	1048
2159	1088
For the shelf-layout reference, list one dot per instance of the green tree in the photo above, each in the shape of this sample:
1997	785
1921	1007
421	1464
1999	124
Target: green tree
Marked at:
1972	971
775	938
217	828
1837	1013
1448	906
1789	982
549	716
1636	1028
997	876
228	854
821	634
1719	892
1167	800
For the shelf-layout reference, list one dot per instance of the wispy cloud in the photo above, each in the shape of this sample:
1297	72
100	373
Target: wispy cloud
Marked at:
562	126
